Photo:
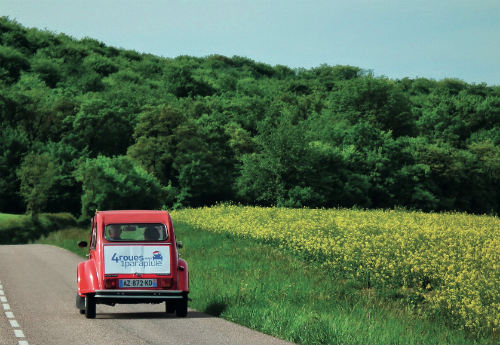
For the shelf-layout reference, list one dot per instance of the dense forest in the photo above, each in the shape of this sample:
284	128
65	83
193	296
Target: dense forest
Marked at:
85	125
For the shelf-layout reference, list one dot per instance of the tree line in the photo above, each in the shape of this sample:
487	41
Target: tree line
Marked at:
85	125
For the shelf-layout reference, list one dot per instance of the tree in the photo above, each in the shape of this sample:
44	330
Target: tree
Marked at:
192	155
375	100
13	146
65	194
101	127
12	62
289	170
219	128
328	76
47	69
118	183
204	161
180	81
34	107
99	64
37	174
156	141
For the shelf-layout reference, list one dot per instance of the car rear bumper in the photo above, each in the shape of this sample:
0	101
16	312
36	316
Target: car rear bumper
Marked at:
137	296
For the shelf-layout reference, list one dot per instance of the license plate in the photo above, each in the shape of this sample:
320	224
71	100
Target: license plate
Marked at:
137	283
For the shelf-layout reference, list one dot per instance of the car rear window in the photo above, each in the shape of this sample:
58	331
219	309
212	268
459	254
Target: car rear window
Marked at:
135	232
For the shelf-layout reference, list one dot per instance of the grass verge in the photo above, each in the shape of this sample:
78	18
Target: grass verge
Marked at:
266	289
21	228
67	239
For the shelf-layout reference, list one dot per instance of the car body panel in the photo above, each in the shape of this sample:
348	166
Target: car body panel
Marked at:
87	277
183	275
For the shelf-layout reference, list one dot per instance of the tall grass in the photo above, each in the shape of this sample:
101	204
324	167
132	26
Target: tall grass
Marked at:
264	288
444	265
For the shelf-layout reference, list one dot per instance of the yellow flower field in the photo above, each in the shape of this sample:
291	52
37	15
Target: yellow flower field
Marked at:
450	261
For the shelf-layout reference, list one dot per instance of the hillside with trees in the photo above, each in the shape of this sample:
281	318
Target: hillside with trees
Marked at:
85	125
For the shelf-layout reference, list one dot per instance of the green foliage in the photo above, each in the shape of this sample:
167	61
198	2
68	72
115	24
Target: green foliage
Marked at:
37	174
376	101
288	170
13	146
33	107
117	183
229	128
48	70
64	196
100	127
99	64
156	140
191	155
180	81
12	62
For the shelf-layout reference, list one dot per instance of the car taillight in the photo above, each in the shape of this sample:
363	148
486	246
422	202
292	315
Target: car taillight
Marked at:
164	283
110	283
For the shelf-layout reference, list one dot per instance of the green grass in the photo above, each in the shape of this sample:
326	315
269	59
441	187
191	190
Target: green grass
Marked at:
8	217
22	228
272	291
68	239
8	220
269	290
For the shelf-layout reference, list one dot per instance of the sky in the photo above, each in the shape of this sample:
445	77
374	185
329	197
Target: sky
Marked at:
433	39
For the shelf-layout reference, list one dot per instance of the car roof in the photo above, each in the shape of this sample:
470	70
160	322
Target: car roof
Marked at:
134	216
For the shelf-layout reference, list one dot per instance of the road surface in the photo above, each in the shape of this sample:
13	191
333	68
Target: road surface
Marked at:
37	295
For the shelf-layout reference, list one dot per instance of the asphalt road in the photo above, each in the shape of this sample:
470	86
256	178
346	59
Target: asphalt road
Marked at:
37	294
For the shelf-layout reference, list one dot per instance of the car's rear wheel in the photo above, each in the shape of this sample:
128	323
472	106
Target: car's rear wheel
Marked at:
181	307
90	306
80	303
170	307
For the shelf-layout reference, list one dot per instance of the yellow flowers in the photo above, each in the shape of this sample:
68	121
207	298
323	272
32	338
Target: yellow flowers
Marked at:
452	261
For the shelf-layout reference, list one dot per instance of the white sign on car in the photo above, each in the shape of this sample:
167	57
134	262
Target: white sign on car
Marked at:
143	259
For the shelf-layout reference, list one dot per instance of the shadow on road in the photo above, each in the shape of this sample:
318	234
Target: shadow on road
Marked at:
216	308
150	315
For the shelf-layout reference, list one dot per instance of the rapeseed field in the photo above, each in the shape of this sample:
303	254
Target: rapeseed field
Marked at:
445	265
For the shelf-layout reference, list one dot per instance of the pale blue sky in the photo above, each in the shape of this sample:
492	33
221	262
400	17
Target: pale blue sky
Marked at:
394	38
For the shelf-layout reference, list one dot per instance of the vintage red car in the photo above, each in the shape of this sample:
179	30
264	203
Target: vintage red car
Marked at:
132	258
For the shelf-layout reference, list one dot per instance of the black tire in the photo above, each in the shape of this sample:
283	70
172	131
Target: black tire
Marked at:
181	307
170	307
80	303
90	307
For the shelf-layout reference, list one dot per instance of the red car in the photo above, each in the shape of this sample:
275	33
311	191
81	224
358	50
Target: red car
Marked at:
133	258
